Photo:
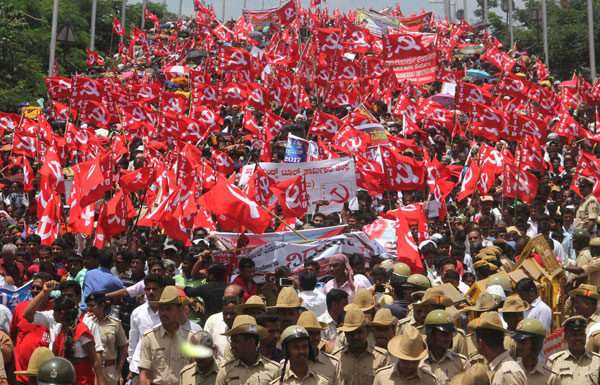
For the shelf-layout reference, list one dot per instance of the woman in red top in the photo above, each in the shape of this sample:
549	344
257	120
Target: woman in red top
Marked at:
76	343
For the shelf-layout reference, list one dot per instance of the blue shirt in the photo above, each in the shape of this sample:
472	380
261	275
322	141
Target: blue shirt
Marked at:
99	280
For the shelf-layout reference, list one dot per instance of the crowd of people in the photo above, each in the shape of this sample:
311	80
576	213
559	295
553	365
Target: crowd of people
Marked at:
110	211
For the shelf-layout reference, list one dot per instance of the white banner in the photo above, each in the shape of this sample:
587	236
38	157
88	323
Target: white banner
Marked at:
230	239
274	254
333	180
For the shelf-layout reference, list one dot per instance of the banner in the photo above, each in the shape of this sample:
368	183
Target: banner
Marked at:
376	23
296	150
383	231
274	254
10	296
259	18
230	239
333	180
376	131
418	66
414	23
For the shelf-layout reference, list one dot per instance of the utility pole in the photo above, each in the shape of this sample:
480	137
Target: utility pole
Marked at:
510	23
143	14
53	39
590	17
545	33
224	1
485	10
179	9
93	25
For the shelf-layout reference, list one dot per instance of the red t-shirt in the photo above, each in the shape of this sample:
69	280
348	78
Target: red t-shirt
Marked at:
28	338
247	292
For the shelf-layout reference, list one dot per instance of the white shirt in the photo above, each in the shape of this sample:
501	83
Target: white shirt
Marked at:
5	318
46	318
315	301
331	333
215	325
363	280
540	311
136	289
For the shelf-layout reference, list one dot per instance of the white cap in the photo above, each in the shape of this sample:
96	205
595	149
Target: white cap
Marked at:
497	292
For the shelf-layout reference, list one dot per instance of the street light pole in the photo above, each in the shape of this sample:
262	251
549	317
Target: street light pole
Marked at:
93	25
545	33
53	39
143	23
465	11
224	1
179	9
590	17
485	10
510	23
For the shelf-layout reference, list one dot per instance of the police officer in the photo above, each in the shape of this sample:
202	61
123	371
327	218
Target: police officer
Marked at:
298	352
56	371
474	375
409	348
161	359
39	356
512	313
530	334
581	244
441	361
359	360
589	272
490	333
585	302
587	213
383	327
503	281
323	363
365	301
248	366
575	365
204	370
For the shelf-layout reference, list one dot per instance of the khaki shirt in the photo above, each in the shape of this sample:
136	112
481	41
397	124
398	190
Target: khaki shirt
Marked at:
540	375
588	210
459	340
328	366
447	367
584	256
506	371
113	337
341	341
160	354
361	370
404	323
235	372
506	263
311	378
390	375
191	375
571	371
473	354
593	344
592	269
511	346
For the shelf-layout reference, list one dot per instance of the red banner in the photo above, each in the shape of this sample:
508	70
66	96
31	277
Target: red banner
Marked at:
419	58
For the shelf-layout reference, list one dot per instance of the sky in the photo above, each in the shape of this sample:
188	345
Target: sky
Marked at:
233	7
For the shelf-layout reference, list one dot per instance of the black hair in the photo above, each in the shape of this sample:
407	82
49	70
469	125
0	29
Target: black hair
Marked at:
154	278
526	284
447	261
156	262
231	299
468	275
356	260
311	262
307	280
45	248
452	274
139	255
246	262
70	284
378	270
396	283
267	317
126	254
33	238
70	314
43	276
217	269
490	336
106	257
335	296
90	251
282	271
167	281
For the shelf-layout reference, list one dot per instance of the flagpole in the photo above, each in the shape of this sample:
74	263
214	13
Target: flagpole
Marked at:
590	19
545	33
143	23
93	25
179	9
510	23
284	222
53	39
224	1
123	11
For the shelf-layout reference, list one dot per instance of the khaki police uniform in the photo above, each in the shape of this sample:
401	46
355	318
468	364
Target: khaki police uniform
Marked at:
506	371
235	372
572	371
191	375
584	256
540	375
588	210
328	366
473	354
404	323
390	376
113	338
341	341
593	344
161	355
361	370
459	340
447	367
311	378
592	269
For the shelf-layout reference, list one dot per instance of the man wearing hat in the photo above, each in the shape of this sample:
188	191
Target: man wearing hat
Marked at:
366	302
474	375
575	365
490	334
383	327
38	356
441	361
299	352
248	365
409	348
529	335
512	313
161	360
589	272
585	302
204	370
587	213
323	363
402	291
359	360
254	306
288	307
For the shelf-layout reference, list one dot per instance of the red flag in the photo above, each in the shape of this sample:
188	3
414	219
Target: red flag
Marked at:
488	122
51	172
469	182
137	180
58	87
258	187
287	13
403	45
233	59
542	72
350	140
228	200
325	125
406	247
250	123
93	58
150	16
222	161
339	97
467	93
117	27
402	172
49	222
94	113
118	210
292	196
520	184
513	85
499	59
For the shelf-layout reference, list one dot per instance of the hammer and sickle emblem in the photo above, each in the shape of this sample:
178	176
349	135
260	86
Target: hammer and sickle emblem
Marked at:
406	43
332	41
237	58
291	196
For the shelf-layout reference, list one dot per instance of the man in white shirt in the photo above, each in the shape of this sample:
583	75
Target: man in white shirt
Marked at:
313	299
336	300
537	308
219	323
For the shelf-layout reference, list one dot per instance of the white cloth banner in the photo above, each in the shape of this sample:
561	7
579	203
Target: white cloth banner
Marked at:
333	180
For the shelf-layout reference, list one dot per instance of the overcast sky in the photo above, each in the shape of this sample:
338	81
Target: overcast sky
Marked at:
233	7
